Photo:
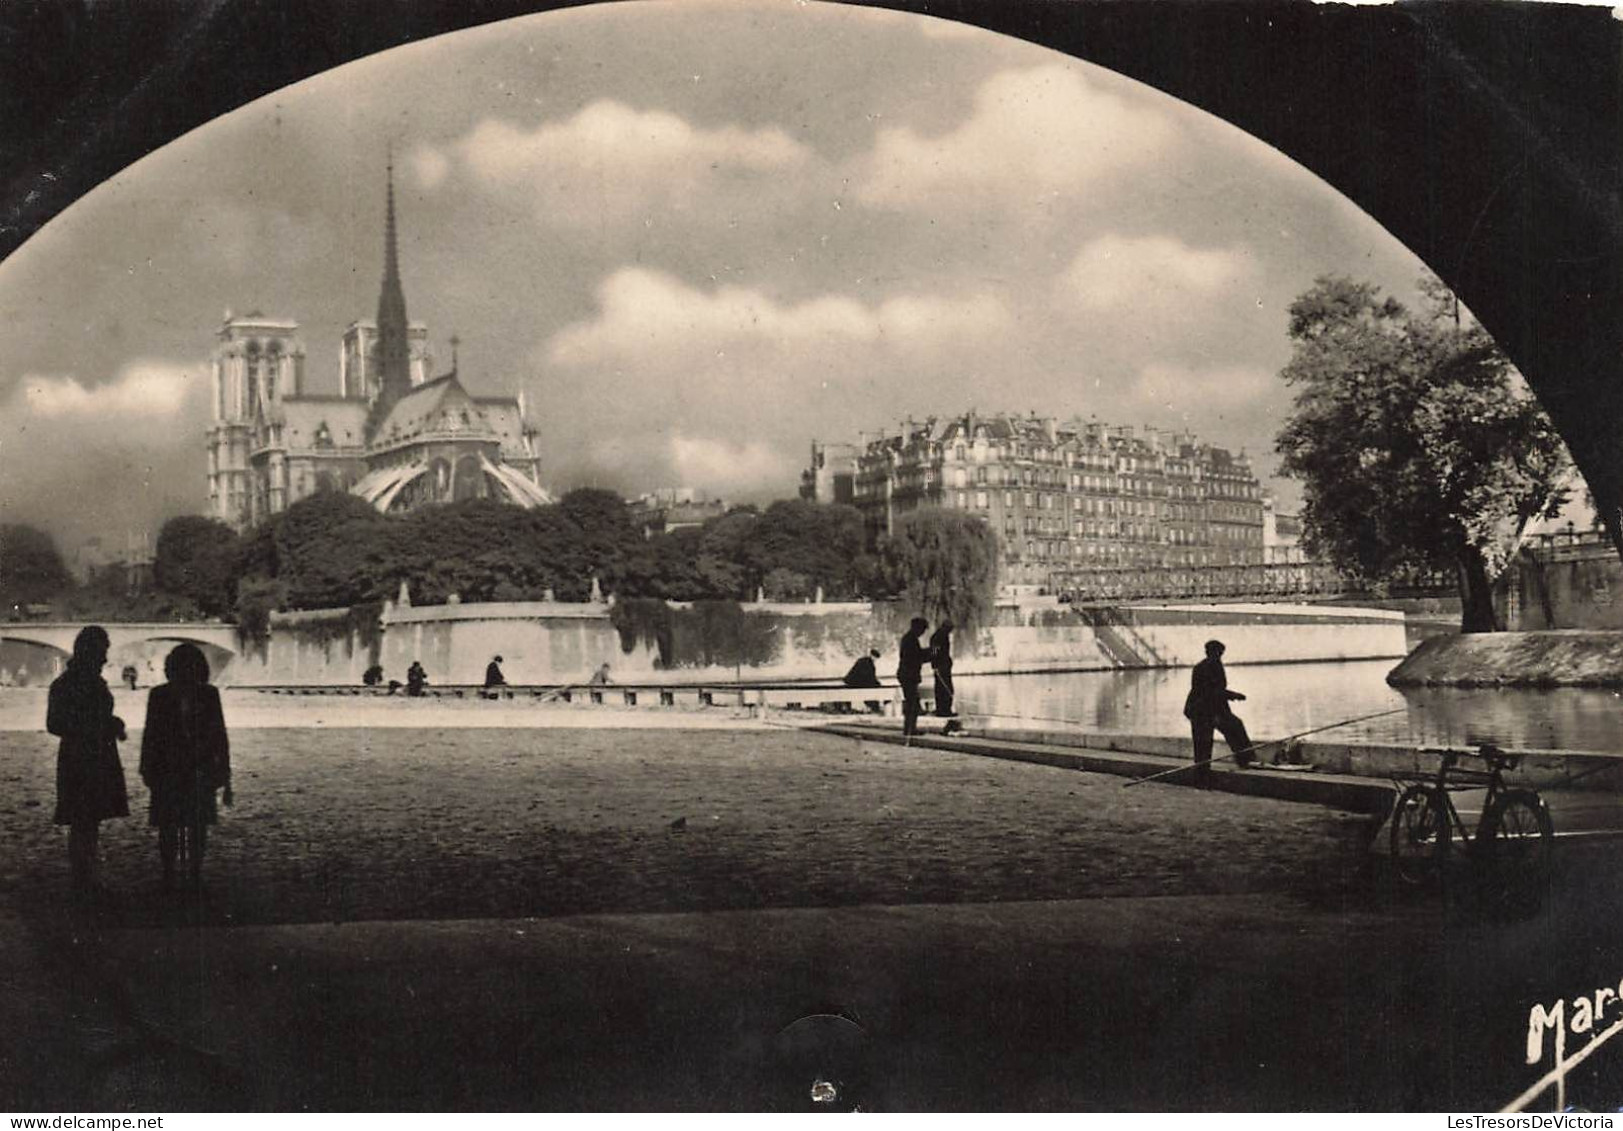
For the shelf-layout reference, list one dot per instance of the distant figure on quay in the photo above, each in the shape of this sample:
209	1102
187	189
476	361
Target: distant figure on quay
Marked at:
129	675
416	678
910	671
185	758
863	673
493	679
89	776
600	678
1207	708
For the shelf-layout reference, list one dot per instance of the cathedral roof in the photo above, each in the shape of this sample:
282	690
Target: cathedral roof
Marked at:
507	421
304	416
438	407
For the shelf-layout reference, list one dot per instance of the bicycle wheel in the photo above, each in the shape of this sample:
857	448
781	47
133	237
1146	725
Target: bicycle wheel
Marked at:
1517	841
1419	833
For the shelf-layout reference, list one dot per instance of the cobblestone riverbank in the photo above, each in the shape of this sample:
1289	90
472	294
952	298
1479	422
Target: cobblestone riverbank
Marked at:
340	825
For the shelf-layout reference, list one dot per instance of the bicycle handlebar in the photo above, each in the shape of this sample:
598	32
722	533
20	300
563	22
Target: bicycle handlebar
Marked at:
1497	759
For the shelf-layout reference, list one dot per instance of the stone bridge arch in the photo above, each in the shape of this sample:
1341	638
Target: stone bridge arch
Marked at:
1484	137
39	651
29	662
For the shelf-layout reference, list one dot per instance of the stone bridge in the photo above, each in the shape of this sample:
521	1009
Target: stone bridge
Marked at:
34	652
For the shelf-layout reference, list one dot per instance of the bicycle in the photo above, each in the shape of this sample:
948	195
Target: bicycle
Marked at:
1512	843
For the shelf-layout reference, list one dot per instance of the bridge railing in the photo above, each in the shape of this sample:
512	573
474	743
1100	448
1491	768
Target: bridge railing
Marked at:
1262	582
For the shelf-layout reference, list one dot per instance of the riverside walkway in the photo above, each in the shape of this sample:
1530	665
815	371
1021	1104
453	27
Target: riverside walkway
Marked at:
1578	814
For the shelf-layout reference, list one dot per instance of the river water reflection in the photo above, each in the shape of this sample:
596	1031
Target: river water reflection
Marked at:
1283	699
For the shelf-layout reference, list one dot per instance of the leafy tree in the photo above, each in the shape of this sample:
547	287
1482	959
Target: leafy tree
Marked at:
606	544
1418	445
195	558
822	543
108	597
330	550
31	569
784	584
728	568
943	563
674	565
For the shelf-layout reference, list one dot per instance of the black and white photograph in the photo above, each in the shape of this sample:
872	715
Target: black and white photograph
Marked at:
796	555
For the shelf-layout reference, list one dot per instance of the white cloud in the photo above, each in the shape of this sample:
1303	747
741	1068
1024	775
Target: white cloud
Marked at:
722	465
647	314
613	160
1035	135
106	458
1190	393
430	165
1116	272
144	389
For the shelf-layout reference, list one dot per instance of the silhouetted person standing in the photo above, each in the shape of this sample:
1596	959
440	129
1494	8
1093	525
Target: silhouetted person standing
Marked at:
909	671
941	661
89	777
1207	708
416	678
863	673
185	757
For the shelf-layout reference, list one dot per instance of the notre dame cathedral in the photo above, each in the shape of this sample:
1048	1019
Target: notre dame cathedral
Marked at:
393	435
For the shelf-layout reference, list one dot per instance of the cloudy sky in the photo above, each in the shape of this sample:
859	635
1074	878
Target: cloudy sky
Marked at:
697	236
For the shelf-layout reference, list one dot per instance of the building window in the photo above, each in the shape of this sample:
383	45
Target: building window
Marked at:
980	499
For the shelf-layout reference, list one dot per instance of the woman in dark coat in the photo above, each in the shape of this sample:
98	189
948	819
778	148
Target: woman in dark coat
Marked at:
89	777
185	757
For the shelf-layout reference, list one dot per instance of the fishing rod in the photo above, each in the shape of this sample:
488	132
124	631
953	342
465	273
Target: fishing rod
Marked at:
1254	747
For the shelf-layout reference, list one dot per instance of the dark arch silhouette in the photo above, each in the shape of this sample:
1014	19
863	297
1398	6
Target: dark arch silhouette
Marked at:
1485	137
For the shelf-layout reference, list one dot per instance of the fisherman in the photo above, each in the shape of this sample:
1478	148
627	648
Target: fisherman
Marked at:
1207	709
912	656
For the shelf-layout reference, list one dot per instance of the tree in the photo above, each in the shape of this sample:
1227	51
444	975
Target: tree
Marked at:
944	564
195	558
726	566
327	551
31	569
607	545
821	542
1418	445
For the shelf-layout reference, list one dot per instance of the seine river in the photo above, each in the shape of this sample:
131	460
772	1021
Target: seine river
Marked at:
1283	699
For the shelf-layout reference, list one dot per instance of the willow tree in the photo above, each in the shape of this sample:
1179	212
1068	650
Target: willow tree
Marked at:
942	563
1418	445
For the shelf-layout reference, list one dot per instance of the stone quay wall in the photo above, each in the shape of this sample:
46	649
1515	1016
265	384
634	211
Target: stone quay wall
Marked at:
550	643
1562	582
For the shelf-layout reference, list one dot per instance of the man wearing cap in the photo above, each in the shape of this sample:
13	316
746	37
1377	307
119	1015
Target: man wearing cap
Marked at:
1207	709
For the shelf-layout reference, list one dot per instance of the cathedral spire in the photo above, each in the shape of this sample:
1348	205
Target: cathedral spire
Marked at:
392	360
